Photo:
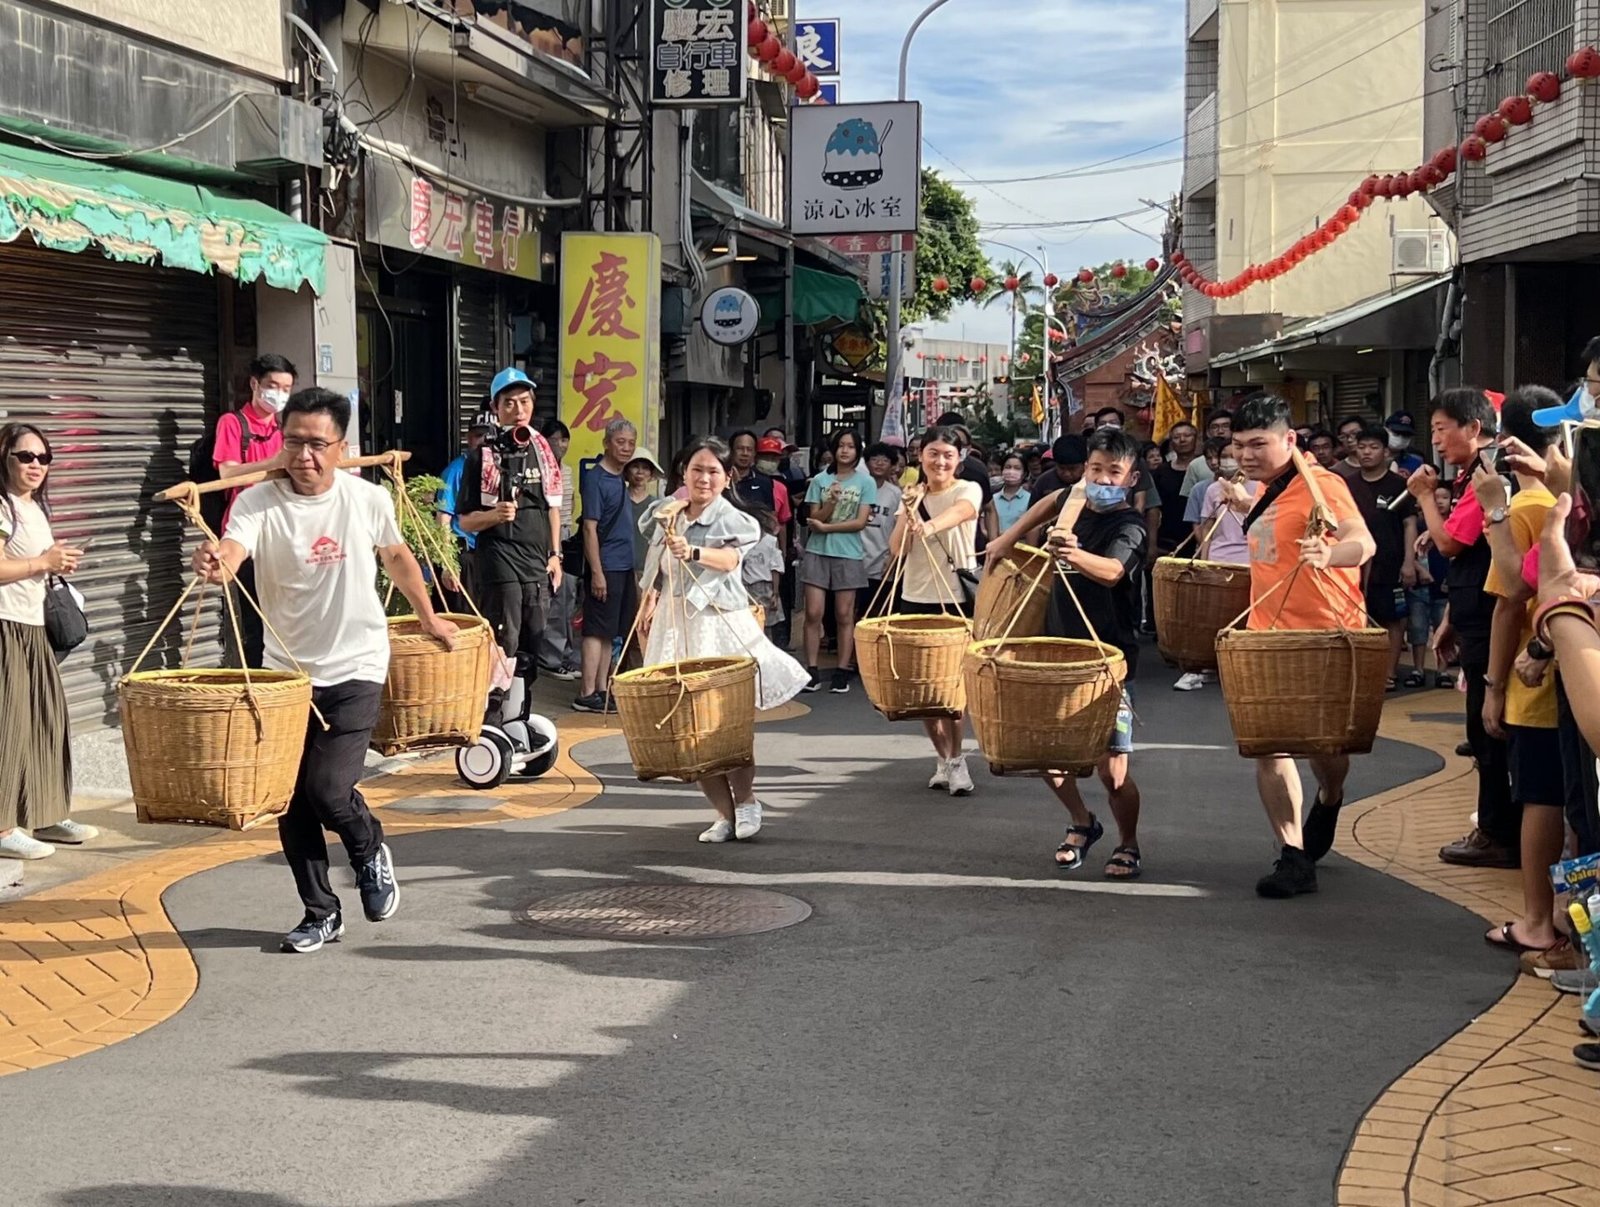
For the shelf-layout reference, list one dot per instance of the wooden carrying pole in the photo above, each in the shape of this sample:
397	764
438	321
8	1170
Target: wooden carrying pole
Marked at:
193	490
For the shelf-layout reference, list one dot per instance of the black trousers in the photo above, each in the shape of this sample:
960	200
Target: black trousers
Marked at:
325	795
250	626
517	612
1497	816
1579	774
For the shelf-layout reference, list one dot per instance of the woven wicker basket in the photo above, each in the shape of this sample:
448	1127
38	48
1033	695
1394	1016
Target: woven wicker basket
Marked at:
1043	703
1007	588
433	697
1194	601
911	665
1303	693
688	728
204	751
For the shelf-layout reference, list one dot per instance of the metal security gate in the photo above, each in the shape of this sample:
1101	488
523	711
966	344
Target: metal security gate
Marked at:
477	359
1351	394
118	365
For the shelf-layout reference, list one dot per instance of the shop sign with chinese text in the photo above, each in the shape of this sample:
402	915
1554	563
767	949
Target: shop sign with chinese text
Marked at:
697	50
816	44
412	212
610	338
855	169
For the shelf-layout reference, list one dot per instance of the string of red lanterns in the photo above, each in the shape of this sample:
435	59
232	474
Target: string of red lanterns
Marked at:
979	285
767	48
1542	88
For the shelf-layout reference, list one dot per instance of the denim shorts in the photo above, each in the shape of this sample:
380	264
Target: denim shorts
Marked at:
1426	615
1122	735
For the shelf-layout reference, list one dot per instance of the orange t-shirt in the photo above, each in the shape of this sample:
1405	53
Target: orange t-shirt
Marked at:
1326	599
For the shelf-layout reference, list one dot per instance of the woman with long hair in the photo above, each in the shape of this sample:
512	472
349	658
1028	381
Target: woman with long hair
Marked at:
839	507
35	760
936	532
696	606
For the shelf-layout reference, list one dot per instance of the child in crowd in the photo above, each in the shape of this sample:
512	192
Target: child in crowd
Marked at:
763	570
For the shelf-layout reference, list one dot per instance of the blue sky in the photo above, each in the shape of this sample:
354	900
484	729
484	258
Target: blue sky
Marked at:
1026	89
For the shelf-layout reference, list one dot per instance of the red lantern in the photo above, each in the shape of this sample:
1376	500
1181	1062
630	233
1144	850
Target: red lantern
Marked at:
1473	148
1056	336
1369	187
1152	265
977	284
1491	127
1445	159
1050	281
1085	275
1384	186
1012	282
1518	110
756	32
808	87
1431	175
983	360
1544	87
1179	258
921	355
784	63
961	360
1119	270
796	73
1350	213
1420	181
1584	64
941	285
770	49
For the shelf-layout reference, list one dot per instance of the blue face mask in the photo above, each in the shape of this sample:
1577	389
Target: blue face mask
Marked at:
1103	497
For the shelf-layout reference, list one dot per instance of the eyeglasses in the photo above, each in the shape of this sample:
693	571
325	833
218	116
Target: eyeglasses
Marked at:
317	447
28	458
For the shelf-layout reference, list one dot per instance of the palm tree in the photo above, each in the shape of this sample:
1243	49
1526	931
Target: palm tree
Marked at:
1027	288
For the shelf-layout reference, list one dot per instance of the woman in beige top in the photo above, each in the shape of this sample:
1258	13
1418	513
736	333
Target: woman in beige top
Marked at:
938	525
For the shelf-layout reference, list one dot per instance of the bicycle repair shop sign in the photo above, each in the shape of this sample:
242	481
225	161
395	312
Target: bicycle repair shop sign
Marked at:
697	52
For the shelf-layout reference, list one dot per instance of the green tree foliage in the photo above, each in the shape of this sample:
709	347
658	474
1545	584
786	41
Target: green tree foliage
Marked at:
947	246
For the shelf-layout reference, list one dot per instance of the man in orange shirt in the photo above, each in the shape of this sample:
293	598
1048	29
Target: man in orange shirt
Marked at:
1297	582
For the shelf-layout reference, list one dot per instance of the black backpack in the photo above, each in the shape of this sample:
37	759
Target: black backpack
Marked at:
203	468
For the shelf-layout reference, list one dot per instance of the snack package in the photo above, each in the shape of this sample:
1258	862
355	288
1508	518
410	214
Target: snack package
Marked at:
1576	877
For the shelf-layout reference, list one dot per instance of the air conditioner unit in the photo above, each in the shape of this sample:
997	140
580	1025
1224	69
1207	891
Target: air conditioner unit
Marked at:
1420	253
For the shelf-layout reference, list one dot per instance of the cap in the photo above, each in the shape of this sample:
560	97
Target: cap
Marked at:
643	454
1402	423
485	422
507	378
771	446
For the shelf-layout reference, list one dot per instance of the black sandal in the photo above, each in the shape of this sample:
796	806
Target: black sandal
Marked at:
1091	834
1126	858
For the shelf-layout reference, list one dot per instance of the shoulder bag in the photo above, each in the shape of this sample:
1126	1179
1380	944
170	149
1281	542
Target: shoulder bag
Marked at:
65	626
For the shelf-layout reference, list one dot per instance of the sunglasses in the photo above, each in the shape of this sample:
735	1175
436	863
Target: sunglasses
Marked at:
28	458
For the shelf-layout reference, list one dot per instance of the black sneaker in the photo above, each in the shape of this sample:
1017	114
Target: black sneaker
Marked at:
815	685
1317	832
841	682
593	702
1464	749
312	933
1588	1055
380	895
1292	875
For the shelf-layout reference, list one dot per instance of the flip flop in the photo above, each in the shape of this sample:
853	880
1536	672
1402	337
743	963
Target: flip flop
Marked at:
1508	941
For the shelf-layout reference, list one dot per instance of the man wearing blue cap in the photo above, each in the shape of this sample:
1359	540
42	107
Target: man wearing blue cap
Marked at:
510	499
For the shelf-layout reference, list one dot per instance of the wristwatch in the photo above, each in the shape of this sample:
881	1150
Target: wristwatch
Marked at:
1497	516
1539	651
694	553
1493	684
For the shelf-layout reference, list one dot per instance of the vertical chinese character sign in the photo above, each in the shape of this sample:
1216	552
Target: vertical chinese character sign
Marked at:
855	169
610	338
816	44
697	50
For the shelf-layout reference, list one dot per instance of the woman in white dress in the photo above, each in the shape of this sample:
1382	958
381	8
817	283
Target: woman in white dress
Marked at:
696	606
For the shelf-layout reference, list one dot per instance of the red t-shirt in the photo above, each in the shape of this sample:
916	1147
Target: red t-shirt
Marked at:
266	441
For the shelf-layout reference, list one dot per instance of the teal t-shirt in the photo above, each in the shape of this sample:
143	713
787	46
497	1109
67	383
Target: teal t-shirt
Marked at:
857	491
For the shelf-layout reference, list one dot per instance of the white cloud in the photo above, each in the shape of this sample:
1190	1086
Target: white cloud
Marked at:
1027	90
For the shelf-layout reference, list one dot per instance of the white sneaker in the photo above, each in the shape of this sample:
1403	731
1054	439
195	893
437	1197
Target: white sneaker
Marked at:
69	832
19	844
1193	681
960	777
747	820
720	831
941	774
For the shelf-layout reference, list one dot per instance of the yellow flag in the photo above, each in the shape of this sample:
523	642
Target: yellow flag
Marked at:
1168	410
1038	406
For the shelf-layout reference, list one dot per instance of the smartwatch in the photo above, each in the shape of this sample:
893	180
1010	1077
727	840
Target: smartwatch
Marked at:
694	553
1539	651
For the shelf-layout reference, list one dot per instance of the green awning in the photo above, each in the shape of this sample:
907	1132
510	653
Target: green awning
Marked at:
67	204
819	297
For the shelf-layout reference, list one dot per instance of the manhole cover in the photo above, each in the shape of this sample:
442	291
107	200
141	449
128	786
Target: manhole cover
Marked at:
665	911
474	803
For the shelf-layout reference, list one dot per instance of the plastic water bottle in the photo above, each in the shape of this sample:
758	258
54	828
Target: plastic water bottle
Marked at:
1589	939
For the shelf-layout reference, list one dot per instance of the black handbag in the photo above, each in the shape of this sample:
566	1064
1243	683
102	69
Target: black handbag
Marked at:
65	626
967	580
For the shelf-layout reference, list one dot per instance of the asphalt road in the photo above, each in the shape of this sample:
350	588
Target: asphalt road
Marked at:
955	1024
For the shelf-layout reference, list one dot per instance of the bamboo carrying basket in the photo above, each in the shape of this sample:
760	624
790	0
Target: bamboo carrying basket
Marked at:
1016	586
1043	703
433	697
211	747
1194	601
1300	692
689	720
911	665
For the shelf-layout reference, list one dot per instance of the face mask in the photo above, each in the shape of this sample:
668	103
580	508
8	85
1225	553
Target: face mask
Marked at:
1011	477
1102	496
995	482
767	465
1228	466
276	399
1398	443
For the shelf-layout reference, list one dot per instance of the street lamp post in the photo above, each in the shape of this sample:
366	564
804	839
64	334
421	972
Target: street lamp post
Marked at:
894	377
1043	261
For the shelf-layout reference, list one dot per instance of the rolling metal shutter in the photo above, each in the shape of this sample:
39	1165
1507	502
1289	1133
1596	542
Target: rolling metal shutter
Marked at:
477	359
1350	395
118	365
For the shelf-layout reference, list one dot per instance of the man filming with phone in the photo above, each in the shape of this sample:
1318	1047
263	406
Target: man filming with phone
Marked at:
510	500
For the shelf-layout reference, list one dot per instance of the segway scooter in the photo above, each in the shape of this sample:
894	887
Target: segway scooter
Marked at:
518	743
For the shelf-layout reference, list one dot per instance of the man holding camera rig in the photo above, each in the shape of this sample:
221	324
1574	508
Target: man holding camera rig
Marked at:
510	499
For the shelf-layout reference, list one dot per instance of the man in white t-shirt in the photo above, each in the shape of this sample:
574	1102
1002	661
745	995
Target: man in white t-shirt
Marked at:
312	538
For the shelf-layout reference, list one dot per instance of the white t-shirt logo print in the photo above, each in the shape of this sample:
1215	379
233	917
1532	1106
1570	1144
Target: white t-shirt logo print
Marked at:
325	551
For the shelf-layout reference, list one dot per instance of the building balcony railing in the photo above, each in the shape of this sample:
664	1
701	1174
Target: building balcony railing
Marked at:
1201	11
1200	148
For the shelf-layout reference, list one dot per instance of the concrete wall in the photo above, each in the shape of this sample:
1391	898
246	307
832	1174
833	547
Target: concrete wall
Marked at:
250	34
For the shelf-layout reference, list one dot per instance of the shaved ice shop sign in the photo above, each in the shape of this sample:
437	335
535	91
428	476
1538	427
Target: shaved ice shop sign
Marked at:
855	169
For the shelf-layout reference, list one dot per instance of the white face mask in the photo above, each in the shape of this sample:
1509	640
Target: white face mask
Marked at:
1228	466
1398	443
275	399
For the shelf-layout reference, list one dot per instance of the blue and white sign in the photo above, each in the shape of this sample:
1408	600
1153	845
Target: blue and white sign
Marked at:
816	45
828	92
